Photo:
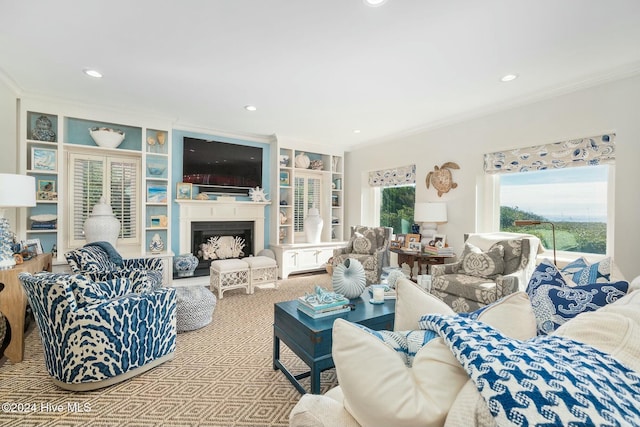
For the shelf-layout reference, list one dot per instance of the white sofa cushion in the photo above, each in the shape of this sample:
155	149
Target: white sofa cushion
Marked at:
379	390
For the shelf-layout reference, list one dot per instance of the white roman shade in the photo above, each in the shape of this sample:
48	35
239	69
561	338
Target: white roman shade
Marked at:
401	175
595	150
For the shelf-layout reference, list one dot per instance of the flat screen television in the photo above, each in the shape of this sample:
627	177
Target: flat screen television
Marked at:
221	167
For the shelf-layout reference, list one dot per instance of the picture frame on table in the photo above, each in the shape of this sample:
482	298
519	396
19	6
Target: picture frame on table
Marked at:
411	238
415	246
44	159
284	178
34	247
156	193
439	240
395	244
401	238
184	190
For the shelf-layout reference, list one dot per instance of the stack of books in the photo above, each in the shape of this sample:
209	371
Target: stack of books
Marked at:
44	225
434	250
318	310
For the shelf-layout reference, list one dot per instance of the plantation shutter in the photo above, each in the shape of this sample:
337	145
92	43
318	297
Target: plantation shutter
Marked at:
307	188
91	177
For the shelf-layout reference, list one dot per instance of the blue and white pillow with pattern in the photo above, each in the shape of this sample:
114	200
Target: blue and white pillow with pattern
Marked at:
554	302
582	273
405	343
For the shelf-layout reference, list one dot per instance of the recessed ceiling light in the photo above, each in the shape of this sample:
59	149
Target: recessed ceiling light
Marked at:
356	131
508	77
374	3
250	107
92	73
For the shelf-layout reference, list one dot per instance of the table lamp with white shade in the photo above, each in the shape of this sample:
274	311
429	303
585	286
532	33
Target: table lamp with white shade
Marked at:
16	191
430	214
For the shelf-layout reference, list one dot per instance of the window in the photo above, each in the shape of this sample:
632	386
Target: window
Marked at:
396	207
574	199
115	177
307	188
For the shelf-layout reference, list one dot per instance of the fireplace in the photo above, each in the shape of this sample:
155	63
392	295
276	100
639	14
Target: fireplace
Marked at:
222	232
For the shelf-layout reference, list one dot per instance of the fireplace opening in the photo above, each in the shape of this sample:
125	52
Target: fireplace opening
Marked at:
212	240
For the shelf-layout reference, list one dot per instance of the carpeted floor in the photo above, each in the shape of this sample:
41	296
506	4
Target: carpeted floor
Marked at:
221	375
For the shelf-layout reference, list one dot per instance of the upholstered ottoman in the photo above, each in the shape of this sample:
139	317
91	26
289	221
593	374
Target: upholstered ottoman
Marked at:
194	307
262	271
230	274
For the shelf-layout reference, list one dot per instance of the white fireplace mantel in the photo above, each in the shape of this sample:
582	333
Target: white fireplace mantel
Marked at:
213	210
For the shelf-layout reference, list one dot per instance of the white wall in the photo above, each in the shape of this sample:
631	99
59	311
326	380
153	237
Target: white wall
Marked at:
8	138
611	107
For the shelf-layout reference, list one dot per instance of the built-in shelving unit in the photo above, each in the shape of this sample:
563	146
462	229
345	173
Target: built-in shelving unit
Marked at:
51	133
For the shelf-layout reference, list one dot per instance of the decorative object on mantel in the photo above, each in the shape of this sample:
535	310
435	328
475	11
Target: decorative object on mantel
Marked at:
441	178
222	247
284	160
302	161
258	195
43	131
107	137
316	165
202	196
102	224
313	225
156	245
185	265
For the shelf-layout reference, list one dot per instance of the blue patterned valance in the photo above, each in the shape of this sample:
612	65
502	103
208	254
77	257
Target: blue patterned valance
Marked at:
403	175
595	150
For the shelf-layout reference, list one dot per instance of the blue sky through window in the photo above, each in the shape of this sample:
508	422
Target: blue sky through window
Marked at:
572	194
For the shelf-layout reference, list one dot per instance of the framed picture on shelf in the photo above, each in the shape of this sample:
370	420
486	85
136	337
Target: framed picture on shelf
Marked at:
183	190
46	185
48	196
411	238
156	193
439	240
44	159
284	178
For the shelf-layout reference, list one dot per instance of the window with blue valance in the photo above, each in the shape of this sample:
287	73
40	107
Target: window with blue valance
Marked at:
595	150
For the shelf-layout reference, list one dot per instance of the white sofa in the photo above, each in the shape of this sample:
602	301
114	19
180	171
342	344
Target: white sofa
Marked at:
436	391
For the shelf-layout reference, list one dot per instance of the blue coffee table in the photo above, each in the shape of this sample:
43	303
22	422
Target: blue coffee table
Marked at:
310	339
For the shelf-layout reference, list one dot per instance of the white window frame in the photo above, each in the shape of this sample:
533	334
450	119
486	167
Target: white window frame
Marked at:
108	159
492	183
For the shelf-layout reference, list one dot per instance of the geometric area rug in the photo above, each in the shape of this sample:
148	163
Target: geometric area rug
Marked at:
221	375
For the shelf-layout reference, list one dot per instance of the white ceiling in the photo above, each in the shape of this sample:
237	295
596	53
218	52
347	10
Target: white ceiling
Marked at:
316	70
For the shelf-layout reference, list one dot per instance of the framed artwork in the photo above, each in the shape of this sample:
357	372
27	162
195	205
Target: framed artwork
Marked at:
34	247
284	178
156	193
395	244
44	159
183	190
411	238
46	185
415	246
439	240
158	221
401	238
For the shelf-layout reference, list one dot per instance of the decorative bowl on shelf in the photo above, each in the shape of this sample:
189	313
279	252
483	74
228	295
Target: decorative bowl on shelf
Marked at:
156	169
107	137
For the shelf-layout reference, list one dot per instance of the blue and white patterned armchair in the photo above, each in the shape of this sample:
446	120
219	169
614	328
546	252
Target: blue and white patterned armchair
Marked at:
96	334
370	246
100	261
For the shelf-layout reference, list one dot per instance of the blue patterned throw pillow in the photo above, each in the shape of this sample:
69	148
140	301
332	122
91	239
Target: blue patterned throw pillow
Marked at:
582	273
554	302
405	343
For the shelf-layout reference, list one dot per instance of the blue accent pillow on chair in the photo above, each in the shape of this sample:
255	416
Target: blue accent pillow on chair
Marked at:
554	302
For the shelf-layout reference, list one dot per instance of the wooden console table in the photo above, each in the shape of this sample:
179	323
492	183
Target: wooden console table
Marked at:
411	257
13	302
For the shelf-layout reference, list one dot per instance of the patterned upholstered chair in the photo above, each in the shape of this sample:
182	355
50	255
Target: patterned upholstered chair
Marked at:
491	266
96	334
370	246
100	261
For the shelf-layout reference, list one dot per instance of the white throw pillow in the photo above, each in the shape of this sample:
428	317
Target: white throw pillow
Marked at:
380	390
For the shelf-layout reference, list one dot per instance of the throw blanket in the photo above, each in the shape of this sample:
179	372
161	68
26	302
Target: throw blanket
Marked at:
113	255
546	381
